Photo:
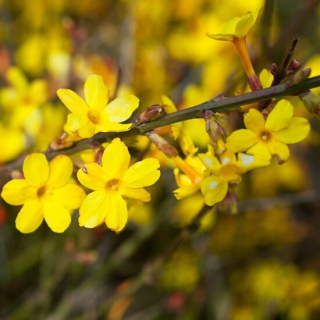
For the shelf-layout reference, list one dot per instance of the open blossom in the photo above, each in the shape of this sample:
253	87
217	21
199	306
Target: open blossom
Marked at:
95	114
111	183
227	170
45	193
264	138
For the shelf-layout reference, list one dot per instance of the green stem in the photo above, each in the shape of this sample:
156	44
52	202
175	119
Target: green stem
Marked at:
223	105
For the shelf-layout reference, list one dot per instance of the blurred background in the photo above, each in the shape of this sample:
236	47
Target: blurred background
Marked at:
261	263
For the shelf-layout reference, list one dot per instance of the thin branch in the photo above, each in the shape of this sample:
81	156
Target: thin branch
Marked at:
280	74
195	112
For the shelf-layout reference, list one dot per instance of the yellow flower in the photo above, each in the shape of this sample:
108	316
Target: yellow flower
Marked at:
227	170
190	182
112	182
22	100
94	114
44	193
237	28
264	138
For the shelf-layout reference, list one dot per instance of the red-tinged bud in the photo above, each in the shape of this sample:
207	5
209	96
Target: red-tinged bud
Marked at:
230	203
311	102
151	113
64	141
274	69
214	126
162	144
301	75
293	67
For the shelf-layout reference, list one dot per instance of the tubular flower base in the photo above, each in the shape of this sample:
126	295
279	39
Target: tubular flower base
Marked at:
227	170
44	193
236	30
112	182
94	114
264	138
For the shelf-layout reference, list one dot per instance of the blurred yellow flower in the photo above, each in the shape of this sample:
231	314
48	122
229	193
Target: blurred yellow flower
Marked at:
227	170
44	193
112	182
95	114
264	138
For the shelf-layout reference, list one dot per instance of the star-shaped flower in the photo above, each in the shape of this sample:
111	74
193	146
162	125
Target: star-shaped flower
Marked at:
224	171
264	138
112	183
95	114
45	193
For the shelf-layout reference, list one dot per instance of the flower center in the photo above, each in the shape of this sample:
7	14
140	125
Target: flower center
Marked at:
43	191
112	185
229	172
94	116
265	135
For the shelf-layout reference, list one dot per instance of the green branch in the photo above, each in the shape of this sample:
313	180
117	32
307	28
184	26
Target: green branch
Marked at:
195	112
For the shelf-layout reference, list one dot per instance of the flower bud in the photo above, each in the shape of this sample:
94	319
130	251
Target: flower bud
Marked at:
293	67
274	69
214	126
151	113
301	75
162	144
311	102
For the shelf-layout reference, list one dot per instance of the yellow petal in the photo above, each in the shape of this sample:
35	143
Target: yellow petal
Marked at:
16	192
93	209
280	116
186	191
122	108
73	101
36	169
138	194
70	196
280	150
182	180
142	174
230	26
30	216
113	127
297	130
260	151
116	213
57	216
245	24
221	36
88	130
61	168
92	176
168	105
211	162
96	92
76	121
17	79
214	190
265	78
241	140
115	159
254	121
248	162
